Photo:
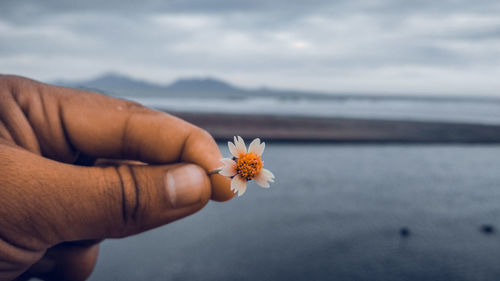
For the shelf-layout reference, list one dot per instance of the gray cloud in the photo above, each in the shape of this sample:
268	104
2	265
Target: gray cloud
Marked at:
388	7
384	45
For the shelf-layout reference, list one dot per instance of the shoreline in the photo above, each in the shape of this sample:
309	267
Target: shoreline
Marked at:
224	126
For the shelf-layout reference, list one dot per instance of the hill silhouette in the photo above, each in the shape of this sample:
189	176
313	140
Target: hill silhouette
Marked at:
119	85
205	87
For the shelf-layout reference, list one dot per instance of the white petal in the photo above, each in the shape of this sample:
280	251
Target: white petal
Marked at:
240	147
261	181
238	184
233	149
235	183
256	147
242	190
253	144
228	161
260	150
229	168
267	174
264	177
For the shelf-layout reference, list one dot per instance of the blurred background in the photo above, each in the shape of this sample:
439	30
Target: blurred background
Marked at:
381	120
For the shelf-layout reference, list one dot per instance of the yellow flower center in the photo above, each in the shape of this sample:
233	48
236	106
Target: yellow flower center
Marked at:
249	165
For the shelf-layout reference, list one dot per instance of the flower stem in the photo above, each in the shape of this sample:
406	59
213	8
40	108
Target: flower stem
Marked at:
216	171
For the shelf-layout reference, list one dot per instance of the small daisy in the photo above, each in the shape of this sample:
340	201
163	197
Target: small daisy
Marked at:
245	166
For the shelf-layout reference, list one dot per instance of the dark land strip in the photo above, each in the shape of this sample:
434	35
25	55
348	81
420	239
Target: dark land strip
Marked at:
343	130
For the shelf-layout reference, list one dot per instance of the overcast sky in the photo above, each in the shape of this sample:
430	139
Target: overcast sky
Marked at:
360	46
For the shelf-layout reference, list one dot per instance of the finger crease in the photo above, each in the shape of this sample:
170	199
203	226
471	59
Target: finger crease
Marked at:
124	136
137	193
124	200
63	128
183	146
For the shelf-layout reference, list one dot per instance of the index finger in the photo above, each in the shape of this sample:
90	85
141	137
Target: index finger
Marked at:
104	127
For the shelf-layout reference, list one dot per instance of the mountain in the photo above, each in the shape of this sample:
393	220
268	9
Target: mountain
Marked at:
207	85
119	85
115	84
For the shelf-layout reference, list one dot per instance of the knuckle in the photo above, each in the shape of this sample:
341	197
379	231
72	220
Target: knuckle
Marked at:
134	107
203	135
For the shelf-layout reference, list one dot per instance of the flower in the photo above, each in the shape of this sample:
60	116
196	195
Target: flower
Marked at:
245	165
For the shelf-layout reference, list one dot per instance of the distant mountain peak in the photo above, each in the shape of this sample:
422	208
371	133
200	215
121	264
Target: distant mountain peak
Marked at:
117	78
201	83
112	75
118	84
200	80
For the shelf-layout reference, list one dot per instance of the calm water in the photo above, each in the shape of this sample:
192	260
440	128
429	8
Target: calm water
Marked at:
334	214
478	111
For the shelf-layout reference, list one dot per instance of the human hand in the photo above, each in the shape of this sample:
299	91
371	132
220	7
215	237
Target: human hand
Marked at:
57	204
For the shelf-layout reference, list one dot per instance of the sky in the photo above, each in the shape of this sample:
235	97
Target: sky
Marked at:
447	47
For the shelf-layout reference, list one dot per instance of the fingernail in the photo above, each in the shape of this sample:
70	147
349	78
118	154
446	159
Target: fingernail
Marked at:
185	185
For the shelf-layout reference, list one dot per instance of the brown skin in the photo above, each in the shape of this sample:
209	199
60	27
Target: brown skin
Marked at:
56	205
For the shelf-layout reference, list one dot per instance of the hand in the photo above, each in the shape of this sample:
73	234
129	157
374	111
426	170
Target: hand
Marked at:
77	167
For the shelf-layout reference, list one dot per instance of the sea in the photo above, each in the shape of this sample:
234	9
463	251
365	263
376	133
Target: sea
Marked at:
340	212
462	110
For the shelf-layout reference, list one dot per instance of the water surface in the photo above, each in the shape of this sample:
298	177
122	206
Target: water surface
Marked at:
335	213
450	110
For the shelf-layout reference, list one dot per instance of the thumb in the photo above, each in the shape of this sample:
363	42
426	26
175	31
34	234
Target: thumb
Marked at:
58	202
129	199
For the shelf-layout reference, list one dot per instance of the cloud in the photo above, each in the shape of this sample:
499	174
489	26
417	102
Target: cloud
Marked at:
14	9
356	46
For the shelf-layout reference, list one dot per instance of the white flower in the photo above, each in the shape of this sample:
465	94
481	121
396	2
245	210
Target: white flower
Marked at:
245	166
